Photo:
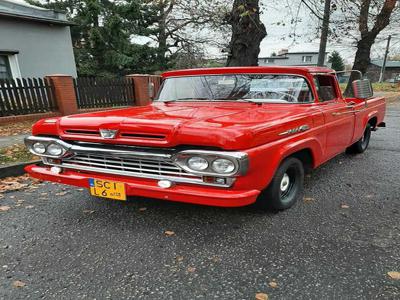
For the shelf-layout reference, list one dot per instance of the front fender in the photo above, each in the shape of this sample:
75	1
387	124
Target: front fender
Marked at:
264	160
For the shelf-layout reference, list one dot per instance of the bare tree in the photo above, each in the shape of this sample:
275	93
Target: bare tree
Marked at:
247	33
179	25
370	25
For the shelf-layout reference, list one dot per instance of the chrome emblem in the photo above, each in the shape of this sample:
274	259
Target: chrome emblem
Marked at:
302	128
108	133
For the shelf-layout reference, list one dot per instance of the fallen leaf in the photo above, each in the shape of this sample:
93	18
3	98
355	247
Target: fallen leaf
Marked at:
191	269
179	258
273	284
261	296
4	208
61	193
143	209
18	284
394	275
308	199
29	206
169	233
88	211
345	206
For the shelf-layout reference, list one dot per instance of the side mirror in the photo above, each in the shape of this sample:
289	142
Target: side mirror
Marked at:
362	89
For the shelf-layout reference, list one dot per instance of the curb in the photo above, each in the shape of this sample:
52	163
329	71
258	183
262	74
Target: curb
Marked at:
16	169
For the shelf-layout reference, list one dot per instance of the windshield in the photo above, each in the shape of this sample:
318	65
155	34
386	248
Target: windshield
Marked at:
243	87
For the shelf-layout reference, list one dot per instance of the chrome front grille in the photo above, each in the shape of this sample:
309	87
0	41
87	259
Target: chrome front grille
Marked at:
129	166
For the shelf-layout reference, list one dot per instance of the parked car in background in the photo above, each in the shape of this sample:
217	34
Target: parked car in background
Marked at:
219	136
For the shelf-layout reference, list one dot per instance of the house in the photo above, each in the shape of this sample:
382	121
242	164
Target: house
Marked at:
286	58
34	42
392	69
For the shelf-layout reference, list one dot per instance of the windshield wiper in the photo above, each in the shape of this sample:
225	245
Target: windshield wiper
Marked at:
185	99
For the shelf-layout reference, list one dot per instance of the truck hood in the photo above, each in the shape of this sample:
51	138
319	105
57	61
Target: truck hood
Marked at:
222	125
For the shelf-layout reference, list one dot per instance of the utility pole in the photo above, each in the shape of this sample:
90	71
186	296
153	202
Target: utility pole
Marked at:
385	59
324	33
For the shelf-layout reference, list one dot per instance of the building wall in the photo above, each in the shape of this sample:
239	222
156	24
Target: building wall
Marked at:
374	71
43	48
293	59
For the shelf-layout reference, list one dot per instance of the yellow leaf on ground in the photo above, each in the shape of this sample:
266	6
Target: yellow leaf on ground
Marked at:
169	233
273	284
261	296
18	284
179	258
308	199
191	269
394	275
345	206
4	208
143	209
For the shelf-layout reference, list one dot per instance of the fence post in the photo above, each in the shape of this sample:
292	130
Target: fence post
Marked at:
64	92
141	83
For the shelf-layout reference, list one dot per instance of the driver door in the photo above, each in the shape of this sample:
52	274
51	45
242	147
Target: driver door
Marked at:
338	115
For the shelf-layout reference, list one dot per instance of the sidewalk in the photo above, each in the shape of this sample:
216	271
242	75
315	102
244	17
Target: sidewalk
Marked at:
6	141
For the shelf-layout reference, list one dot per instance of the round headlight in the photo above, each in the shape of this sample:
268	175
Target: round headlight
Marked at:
197	163
39	148
54	149
222	165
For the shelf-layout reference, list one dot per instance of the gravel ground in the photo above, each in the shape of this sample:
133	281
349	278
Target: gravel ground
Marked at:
339	243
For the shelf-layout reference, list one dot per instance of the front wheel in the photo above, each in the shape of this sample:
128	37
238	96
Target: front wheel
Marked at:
362	144
286	186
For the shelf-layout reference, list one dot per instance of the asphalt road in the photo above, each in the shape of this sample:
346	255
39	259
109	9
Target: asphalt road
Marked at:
72	246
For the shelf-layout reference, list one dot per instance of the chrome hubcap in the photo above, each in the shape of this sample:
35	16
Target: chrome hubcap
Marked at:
285	182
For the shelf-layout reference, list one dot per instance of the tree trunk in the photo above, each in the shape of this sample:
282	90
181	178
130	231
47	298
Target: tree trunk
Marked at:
368	36
324	33
247	33
361	61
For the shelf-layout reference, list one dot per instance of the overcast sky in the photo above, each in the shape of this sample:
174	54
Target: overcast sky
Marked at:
278	37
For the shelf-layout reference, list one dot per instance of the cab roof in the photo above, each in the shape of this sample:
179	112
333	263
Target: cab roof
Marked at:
298	70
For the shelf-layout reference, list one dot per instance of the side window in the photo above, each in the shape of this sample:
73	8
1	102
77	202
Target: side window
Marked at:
325	85
5	72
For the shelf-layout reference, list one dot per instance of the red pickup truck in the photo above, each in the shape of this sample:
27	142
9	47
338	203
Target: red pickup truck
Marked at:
218	136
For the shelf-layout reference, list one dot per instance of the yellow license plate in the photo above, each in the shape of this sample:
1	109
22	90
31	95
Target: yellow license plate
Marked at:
107	189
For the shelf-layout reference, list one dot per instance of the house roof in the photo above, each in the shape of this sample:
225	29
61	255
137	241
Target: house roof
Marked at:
19	10
389	63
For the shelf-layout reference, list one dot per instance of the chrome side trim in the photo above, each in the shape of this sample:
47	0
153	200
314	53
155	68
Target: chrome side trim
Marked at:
301	128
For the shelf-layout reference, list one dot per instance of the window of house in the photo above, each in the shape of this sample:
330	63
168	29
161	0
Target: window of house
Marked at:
325	85
307	58
5	71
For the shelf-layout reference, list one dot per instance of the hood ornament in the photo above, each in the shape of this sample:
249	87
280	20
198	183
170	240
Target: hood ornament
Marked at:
108	133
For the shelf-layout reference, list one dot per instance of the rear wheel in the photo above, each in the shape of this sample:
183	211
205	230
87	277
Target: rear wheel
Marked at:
286	186
362	144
